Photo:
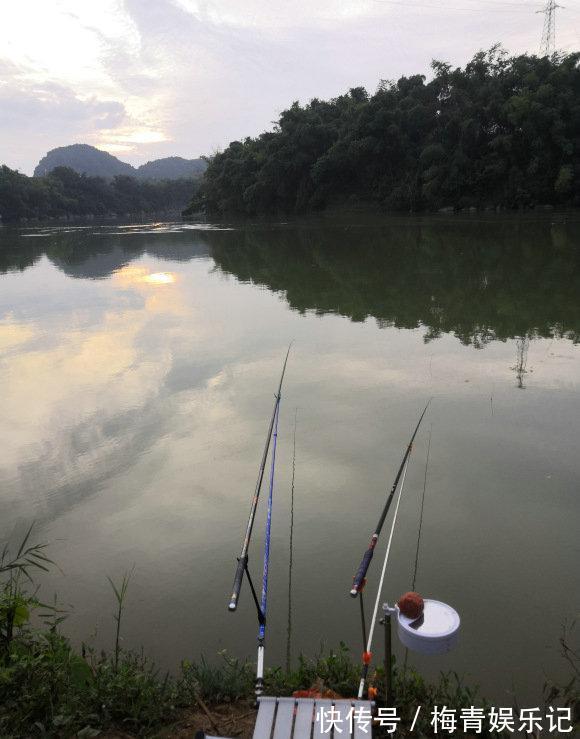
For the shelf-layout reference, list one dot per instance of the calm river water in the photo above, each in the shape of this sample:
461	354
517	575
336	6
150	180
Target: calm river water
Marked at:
137	369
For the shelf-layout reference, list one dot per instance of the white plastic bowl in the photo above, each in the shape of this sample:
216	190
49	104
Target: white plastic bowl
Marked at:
436	634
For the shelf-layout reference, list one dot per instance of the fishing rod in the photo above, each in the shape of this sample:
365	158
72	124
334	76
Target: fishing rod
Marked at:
367	655
359	579
243	558
264	600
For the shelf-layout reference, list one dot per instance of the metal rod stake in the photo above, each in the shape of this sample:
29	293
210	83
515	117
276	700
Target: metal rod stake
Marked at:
388	660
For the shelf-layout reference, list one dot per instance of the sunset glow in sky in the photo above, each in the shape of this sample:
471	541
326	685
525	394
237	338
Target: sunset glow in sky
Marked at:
144	79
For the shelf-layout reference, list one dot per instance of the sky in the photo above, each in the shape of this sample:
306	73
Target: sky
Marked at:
144	79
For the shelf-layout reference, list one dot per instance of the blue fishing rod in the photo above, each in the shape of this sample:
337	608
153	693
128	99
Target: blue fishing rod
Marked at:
264	600
242	567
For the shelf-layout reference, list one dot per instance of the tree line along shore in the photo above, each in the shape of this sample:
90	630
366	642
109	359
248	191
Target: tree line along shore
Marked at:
501	133
64	194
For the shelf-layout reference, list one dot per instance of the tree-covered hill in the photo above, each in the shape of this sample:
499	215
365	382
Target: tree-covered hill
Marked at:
85	159
171	168
65	193
500	132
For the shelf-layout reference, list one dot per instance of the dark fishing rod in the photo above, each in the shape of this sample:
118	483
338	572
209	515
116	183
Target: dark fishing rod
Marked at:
243	558
359	578
367	654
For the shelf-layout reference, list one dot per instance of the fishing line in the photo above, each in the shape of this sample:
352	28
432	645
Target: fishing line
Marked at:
418	544
290	561
366	656
501	6
422	507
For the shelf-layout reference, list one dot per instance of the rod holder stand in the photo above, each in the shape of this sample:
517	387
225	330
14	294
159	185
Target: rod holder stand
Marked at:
389	612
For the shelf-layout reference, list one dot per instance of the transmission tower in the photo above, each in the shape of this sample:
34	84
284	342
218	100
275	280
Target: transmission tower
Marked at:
548	45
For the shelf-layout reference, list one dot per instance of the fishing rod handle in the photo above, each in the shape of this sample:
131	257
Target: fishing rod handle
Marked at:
361	573
363	680
237	586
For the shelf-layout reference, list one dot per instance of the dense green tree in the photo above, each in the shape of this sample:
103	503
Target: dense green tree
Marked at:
65	193
500	132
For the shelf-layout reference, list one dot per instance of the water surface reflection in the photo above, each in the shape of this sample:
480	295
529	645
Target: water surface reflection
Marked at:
137	366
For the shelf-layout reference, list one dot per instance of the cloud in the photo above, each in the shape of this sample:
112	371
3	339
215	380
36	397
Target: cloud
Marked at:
192	75
37	117
55	105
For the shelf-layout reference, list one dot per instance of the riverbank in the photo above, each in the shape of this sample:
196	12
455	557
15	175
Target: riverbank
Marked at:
48	688
169	214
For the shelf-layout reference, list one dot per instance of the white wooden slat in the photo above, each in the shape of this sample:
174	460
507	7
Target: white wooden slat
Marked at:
359	733
266	711
320	725
284	718
304	718
342	709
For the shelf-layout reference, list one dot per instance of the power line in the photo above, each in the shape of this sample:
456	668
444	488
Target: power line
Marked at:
508	7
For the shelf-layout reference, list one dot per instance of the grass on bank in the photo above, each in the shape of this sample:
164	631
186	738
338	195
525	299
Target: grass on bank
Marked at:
48	689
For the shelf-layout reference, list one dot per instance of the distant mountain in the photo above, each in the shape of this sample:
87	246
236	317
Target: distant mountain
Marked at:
86	159
171	168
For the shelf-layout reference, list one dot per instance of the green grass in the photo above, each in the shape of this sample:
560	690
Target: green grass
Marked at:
228	681
47	689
